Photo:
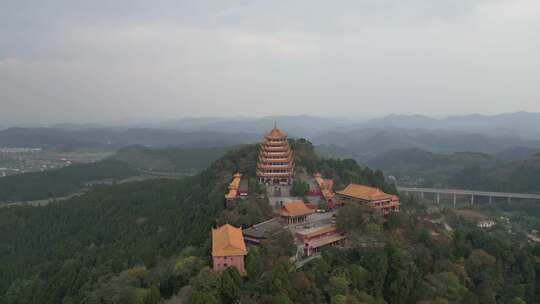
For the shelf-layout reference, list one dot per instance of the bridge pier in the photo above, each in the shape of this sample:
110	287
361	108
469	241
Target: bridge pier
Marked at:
472	199
509	199
438	198
455	200
490	200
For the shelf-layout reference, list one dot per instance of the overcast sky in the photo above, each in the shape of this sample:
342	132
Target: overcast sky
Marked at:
69	60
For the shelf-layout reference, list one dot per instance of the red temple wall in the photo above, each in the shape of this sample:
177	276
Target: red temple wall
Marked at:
222	263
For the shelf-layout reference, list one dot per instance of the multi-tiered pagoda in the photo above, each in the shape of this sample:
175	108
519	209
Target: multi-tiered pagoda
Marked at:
276	160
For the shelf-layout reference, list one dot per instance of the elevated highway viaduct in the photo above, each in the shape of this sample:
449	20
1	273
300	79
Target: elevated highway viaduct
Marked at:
470	193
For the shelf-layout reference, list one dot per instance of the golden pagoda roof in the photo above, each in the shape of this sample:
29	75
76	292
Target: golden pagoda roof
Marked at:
228	240
276	133
295	208
365	192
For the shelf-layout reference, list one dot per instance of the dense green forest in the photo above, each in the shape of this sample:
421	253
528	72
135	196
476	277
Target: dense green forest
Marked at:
515	176
149	242
467	170
416	166
114	236
63	250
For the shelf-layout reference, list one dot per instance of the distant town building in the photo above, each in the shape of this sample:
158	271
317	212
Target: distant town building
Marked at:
370	196
228	248
326	189
317	238
294	212
485	224
237	188
275	165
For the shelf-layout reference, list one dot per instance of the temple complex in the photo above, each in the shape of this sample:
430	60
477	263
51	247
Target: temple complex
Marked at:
370	196
275	165
237	187
294	212
228	248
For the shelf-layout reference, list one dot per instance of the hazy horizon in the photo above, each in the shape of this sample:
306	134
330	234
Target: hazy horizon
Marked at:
159	123
85	62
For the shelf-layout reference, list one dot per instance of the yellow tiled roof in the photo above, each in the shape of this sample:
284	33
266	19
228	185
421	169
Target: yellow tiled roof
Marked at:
365	192
295	208
228	240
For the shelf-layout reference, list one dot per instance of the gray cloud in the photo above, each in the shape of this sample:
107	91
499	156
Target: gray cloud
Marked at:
98	60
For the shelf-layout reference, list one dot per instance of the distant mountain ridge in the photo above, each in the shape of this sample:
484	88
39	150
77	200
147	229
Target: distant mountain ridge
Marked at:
523	124
515	134
369	142
114	138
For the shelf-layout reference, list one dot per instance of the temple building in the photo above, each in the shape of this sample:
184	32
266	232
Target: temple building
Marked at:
294	212
237	188
316	238
370	196
275	165
228	248
262	231
325	189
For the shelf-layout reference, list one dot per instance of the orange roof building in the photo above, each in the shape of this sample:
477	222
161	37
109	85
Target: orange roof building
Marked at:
317	238
294	212
275	164
228	248
371	196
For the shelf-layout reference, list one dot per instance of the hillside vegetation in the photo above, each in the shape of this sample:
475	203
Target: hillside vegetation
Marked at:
60	182
127	162
467	170
169	159
515	176
420	167
149	242
130	243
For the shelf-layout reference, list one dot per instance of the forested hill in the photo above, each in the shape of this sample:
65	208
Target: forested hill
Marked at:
60	182
467	170
127	162
171	159
58	253
115	244
513	176
420	167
